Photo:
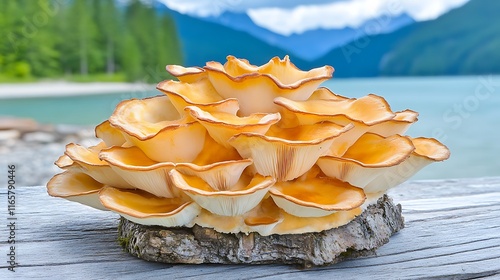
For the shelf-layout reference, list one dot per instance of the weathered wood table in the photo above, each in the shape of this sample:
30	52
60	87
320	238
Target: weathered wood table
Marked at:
452	231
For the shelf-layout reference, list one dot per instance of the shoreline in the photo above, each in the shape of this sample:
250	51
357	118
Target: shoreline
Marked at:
63	88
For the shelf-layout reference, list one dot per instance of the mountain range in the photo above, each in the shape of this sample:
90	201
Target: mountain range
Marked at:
311	44
463	41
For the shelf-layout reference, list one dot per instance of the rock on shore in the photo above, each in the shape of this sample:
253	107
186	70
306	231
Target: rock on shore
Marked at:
33	147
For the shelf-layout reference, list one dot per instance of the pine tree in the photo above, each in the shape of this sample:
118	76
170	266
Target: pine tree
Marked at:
51	38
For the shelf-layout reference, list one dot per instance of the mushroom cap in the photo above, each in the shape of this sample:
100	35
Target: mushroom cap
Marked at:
275	222
367	110
111	135
87	159
140	171
218	166
369	157
398	125
200	94
316	197
220	175
264	217
186	74
147	209
296	225
153	125
255	87
427	151
430	148
234	201
76	186
213	153
289	119
324	93
222	126
287	153
64	162
144	118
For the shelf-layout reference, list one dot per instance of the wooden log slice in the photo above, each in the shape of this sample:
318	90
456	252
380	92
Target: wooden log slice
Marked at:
197	245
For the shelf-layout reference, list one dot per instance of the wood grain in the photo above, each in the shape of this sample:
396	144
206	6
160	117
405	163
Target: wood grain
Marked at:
452	231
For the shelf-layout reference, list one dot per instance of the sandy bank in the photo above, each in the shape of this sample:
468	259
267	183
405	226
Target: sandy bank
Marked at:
61	88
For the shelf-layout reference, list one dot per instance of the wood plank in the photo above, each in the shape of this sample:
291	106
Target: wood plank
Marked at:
452	231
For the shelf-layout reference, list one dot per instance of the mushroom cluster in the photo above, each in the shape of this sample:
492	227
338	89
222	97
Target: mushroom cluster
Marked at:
244	148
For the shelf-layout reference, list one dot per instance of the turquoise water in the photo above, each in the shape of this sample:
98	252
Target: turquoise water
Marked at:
461	112
86	110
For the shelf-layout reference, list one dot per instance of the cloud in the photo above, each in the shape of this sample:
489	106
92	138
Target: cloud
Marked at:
297	16
204	8
345	13
428	9
306	17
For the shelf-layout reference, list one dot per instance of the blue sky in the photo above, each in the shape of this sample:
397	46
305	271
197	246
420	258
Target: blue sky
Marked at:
296	16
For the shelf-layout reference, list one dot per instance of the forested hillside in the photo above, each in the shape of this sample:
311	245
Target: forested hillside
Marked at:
464	41
85	38
116	40
204	41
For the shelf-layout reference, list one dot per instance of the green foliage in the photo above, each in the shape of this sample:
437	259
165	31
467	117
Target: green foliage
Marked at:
20	69
132	58
84	38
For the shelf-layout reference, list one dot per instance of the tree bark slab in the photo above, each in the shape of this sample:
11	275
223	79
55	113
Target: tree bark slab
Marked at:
197	245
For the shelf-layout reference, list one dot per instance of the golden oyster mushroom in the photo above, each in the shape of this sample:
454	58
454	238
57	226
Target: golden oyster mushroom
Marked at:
200	93
363	113
87	159
111	135
220	167
316	197
255	87
276	222
398	125
212	153
140	171
154	126
147	209
369	157
367	110
296	225
427	151
287	129
222	126
264	217
64	162
76	186
324	93
186	74
233	201
261	219
219	175
287	153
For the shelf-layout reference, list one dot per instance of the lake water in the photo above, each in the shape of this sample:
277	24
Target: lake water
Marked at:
461	112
